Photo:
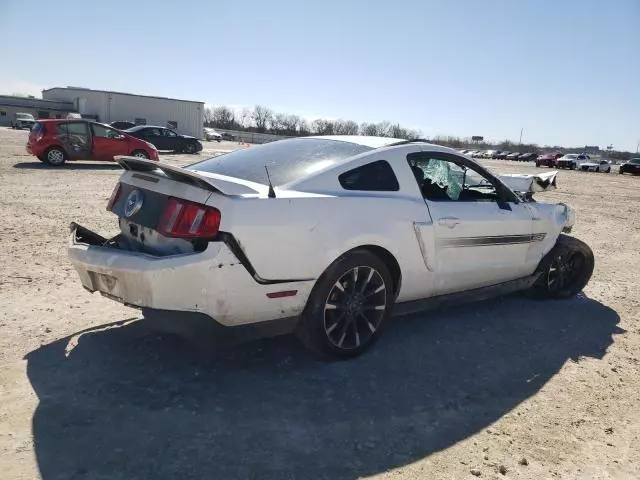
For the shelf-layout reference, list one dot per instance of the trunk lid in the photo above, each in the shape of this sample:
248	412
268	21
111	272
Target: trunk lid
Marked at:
146	188
207	181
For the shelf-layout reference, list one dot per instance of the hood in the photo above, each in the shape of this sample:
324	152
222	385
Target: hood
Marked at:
526	183
188	136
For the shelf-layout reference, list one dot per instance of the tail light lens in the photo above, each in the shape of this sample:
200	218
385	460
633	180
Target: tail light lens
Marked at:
114	196
185	219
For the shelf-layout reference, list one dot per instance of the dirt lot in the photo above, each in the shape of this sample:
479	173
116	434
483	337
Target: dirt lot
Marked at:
536	389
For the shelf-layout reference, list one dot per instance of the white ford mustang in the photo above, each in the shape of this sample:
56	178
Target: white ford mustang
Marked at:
326	237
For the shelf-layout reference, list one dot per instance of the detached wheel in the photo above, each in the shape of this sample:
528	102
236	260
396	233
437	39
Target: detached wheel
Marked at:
55	156
566	269
348	307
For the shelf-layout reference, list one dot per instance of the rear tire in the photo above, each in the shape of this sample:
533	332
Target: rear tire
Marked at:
565	270
348	307
55	156
140	154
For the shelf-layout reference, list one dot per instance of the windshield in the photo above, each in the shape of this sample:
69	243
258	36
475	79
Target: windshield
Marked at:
635	161
286	160
25	116
571	156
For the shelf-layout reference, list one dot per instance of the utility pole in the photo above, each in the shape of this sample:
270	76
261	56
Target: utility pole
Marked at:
637	146
521	135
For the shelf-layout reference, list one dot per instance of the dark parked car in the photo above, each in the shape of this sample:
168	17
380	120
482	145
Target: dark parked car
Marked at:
228	136
513	156
122	125
548	159
631	166
166	139
503	155
527	157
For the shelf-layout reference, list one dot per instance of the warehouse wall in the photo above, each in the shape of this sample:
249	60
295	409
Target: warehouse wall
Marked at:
7	113
112	106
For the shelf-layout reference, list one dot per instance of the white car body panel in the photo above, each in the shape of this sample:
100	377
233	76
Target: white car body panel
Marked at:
440	246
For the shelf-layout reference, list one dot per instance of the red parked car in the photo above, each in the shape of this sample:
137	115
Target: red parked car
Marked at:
56	141
548	159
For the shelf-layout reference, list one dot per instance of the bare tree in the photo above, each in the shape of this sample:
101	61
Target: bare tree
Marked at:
384	129
279	123
303	128
345	127
321	126
262	116
208	117
244	118
369	129
223	117
291	123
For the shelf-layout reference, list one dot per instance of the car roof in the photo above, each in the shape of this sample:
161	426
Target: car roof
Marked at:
364	140
140	127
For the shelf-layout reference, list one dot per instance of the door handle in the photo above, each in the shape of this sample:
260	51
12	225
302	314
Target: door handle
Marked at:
450	222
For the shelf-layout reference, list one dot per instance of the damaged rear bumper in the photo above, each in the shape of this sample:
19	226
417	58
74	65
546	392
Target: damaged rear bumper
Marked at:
211	283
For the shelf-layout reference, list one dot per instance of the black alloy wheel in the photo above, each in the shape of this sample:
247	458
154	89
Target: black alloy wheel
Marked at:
348	307
355	307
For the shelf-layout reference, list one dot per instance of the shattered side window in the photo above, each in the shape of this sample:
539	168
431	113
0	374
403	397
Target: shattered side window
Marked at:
445	173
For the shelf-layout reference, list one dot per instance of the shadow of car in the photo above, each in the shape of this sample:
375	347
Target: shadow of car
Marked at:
119	401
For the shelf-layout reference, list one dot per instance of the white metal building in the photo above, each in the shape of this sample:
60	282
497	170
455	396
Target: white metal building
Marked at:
185	116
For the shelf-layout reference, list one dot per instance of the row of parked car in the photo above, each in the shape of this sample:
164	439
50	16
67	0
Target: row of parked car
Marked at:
571	161
500	155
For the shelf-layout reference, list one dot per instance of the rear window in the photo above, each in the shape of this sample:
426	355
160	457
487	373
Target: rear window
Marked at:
38	128
635	161
286	160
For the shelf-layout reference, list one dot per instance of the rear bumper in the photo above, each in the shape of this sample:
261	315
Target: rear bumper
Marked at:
212	283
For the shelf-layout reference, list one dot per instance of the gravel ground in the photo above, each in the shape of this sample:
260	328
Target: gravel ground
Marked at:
508	388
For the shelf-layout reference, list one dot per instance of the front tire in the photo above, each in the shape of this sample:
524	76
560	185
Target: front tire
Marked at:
55	156
348	307
565	270
190	148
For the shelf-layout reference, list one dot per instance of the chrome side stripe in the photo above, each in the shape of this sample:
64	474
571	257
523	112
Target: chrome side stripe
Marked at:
490	240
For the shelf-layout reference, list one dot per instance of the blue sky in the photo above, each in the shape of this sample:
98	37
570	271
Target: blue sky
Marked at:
566	71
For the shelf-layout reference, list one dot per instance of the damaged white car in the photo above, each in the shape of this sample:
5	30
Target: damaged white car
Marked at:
327	237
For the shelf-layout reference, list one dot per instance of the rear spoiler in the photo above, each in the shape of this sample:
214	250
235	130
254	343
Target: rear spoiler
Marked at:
527	184
213	183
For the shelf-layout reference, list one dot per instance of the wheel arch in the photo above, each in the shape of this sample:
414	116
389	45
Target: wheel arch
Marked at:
387	257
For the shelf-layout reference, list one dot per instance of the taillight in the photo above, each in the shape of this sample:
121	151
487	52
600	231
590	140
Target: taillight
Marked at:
185	219
114	196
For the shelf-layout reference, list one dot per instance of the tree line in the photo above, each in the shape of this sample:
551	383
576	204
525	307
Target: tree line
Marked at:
262	119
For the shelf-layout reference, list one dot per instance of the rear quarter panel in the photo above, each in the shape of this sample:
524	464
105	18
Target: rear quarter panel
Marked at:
299	238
